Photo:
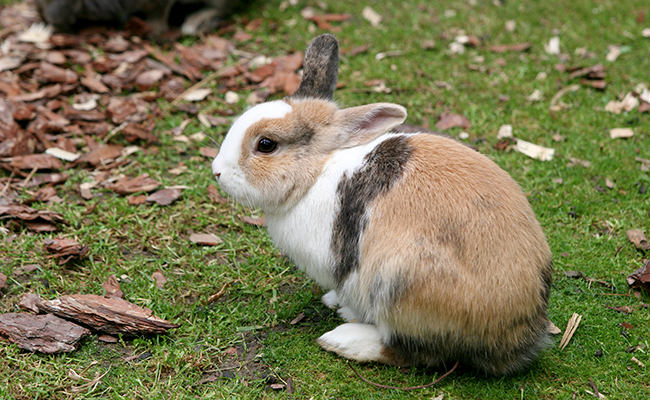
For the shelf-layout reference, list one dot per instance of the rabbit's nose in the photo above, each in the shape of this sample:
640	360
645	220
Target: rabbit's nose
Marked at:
217	175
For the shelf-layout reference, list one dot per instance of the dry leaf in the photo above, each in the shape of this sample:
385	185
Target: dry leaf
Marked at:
534	151
102	155
572	325
41	333
3	282
107	338
206	239
112	288
165	197
208	152
142	183
448	120
39	161
639	240
641	277
215	197
617	133
136	200
159	278
254	221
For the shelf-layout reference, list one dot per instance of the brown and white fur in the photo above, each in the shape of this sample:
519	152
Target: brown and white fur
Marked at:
430	249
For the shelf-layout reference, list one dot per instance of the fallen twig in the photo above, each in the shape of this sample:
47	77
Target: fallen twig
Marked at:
29	177
220	293
571	327
559	94
403	388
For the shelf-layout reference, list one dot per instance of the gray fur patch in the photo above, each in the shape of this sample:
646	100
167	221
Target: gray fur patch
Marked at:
321	69
382	168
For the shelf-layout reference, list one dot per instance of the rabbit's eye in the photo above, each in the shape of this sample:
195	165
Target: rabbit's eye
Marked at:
266	145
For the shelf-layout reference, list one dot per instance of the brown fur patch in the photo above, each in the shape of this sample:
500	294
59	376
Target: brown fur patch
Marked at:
303	137
460	231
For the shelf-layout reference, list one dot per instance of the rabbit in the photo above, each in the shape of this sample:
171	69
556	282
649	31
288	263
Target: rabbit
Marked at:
64	15
430	249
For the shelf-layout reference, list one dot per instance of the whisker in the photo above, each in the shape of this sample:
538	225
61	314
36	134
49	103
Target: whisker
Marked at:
216	144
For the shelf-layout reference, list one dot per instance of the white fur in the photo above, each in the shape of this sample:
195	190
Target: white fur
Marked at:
304	231
330	299
361	342
232	179
347	314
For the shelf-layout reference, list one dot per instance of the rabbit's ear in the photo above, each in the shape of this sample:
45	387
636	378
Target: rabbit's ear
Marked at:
365	123
321	69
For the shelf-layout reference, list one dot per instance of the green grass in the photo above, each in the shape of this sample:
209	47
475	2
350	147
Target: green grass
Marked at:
255	312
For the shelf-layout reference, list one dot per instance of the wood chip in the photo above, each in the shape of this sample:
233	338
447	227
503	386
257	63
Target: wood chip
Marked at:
639	363
637	237
41	333
64	249
571	327
29	302
553	330
206	239
371	16
62	154
112	316
197	94
534	151
617	133
30	215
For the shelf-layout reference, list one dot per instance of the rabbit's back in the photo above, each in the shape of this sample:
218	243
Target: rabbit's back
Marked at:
452	262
